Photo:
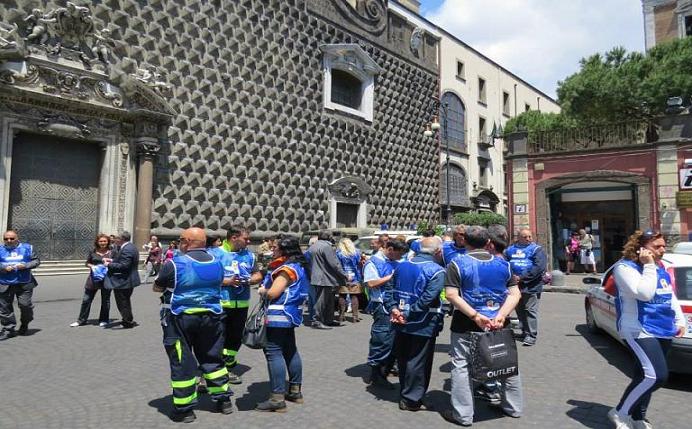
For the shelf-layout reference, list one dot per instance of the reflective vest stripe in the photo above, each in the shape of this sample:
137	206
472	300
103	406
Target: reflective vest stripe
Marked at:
276	307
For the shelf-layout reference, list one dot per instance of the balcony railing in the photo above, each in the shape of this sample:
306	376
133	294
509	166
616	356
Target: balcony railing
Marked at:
616	135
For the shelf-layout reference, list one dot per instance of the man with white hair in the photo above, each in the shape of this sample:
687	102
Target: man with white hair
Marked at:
417	317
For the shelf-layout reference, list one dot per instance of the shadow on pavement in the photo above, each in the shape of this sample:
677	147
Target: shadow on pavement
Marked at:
446	367
589	414
362	371
256	392
165	405
31	331
240	369
483	411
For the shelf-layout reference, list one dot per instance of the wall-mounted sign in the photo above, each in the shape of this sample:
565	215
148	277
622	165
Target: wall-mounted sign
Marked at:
683	199
520	208
685	178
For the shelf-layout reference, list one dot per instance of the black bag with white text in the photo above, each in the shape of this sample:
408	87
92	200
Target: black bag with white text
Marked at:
493	355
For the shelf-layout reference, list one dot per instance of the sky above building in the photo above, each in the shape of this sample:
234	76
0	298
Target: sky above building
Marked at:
541	41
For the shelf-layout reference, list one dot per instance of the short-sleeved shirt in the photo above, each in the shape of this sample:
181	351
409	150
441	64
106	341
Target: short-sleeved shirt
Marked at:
460	322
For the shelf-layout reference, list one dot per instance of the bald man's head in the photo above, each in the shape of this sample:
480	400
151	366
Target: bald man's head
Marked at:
524	236
193	238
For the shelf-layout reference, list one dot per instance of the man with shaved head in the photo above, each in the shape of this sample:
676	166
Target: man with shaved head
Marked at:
528	262
417	317
192	320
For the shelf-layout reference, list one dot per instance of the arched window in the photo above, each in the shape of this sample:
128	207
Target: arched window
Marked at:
456	121
458	195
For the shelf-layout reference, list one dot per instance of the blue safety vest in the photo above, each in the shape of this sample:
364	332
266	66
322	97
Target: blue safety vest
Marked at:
217	252
238	264
484	283
451	251
286	311
197	286
657	316
351	265
410	280
521	257
384	268
13	256
415	246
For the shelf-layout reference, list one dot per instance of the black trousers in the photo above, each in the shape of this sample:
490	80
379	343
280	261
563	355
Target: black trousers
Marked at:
23	293
235	323
122	300
193	343
414	355
324	305
88	298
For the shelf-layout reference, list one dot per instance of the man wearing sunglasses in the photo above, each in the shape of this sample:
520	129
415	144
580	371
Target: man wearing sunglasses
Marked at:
16	262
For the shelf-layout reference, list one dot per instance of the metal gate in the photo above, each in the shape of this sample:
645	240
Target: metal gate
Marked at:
54	195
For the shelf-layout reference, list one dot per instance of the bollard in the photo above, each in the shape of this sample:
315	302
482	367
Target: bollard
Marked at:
558	278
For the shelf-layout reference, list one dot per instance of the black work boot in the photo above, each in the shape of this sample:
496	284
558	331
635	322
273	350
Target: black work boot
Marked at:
379	379
184	417
294	394
7	334
224	407
23	328
275	403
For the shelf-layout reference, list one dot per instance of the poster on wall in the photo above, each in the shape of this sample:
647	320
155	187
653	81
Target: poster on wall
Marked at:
594	225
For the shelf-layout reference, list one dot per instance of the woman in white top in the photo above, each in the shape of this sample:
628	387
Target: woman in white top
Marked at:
648	317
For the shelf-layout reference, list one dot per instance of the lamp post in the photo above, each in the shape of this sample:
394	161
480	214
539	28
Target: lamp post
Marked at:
439	110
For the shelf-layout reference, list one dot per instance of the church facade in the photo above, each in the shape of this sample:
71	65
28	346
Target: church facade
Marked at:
283	115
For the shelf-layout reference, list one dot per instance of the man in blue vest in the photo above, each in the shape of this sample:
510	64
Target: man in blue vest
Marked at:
417	317
377	275
450	249
193	329
240	271
529	262
16	262
483	292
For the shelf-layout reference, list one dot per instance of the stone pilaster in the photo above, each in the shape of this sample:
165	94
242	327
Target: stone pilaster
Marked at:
667	179
147	150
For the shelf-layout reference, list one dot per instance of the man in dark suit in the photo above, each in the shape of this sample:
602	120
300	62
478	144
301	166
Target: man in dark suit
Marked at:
123	276
326	274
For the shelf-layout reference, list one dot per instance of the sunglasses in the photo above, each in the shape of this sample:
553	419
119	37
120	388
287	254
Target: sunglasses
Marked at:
648	235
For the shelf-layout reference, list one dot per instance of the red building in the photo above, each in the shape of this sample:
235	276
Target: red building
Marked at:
608	180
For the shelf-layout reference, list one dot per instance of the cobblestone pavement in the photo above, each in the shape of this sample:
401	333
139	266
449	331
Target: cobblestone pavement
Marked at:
87	377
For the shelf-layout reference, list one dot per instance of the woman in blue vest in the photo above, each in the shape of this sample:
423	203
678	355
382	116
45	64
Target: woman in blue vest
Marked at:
648	317
285	289
349	257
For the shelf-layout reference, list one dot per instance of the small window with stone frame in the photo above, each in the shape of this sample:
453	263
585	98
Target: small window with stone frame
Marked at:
461	72
482	136
505	103
688	25
483	174
347	90
527	107
481	91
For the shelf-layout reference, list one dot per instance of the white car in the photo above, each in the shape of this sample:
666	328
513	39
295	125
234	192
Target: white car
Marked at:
600	310
363	243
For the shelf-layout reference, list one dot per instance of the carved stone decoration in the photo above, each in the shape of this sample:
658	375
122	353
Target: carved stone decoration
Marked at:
67	32
109	93
416	42
349	189
12	74
63	82
64	126
7	36
150	150
145	90
370	15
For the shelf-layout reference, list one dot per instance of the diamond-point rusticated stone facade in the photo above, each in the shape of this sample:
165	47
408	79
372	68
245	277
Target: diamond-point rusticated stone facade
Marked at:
251	140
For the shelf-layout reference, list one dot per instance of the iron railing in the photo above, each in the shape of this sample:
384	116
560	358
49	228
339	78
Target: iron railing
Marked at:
615	135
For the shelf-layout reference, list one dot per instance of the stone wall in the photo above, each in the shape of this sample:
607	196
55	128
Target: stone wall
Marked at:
251	141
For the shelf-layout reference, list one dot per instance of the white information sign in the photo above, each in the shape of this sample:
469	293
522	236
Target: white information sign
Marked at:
686	178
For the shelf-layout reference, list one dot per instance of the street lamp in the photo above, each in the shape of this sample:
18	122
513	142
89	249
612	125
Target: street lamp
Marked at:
439	110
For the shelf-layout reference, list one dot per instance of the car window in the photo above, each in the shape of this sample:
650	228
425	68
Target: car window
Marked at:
683	282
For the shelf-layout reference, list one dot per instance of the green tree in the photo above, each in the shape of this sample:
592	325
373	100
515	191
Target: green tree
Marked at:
481	218
617	86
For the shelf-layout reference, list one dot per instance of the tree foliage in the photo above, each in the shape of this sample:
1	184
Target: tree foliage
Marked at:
482	218
618	86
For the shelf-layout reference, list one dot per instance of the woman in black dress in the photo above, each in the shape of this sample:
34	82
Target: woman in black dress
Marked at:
102	249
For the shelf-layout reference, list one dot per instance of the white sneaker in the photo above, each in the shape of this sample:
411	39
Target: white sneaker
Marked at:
75	324
641	424
103	324
618	421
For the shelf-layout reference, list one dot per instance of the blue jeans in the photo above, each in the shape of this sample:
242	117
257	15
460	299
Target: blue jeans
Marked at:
281	353
381	337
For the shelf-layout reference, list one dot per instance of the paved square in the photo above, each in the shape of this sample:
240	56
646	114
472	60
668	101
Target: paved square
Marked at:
88	377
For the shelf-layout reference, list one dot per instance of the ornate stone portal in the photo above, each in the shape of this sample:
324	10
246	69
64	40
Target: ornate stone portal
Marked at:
58	78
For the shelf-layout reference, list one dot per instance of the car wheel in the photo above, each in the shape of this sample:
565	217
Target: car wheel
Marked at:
591	321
